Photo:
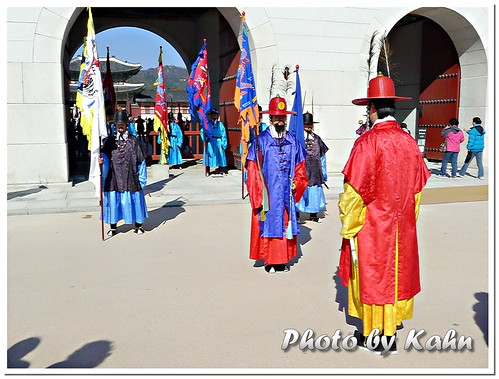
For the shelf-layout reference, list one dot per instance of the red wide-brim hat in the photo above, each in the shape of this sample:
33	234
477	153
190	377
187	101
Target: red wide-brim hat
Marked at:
277	107
381	87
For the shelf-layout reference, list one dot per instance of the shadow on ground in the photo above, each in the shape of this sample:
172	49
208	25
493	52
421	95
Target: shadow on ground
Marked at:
165	213
157	217
13	195
481	314
304	235
159	185
19	350
342	300
88	356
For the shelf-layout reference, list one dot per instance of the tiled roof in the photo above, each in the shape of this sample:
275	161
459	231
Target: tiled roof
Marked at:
121	70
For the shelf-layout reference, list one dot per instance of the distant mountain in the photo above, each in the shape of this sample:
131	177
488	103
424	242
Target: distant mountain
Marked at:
175	80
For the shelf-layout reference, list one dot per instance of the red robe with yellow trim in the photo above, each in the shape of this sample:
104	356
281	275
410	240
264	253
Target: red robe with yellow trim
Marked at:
278	160
386	168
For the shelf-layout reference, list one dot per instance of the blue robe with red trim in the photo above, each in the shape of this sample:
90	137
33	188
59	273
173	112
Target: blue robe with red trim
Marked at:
282	161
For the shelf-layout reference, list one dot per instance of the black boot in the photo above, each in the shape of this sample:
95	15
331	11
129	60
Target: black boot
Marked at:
139	229
314	217
270	269
113	231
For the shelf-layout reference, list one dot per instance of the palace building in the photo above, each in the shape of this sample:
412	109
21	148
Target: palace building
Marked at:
121	72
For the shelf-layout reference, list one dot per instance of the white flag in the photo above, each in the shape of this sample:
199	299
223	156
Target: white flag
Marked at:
90	100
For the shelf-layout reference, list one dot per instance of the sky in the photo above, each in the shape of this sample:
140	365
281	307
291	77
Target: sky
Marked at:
136	45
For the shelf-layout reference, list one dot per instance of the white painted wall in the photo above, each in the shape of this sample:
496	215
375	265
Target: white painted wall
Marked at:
329	44
36	132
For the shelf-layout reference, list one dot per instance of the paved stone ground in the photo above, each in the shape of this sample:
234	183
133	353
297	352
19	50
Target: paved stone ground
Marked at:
188	186
184	296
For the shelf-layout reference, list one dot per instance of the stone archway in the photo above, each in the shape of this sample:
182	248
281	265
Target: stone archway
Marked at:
183	28
38	71
41	65
38	44
471	52
428	71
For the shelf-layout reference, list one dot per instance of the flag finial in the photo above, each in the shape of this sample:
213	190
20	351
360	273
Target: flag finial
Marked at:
297	67
160	57
204	40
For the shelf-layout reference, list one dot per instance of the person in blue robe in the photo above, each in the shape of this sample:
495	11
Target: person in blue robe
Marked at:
131	129
174	156
215	139
313	200
276	181
124	176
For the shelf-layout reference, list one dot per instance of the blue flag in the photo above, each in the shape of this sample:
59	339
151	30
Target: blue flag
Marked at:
296	121
245	99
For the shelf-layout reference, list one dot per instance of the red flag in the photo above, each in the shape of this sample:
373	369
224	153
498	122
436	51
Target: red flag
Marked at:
161	109
198	87
108	87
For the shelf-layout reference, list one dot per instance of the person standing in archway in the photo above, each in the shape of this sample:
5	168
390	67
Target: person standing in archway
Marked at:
383	180
215	139
124	177
141	130
313	200
174	156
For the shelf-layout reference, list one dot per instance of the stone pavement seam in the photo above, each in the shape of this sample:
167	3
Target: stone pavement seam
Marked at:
183	187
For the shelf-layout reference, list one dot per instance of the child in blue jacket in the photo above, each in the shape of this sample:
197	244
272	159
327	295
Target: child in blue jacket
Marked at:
475	146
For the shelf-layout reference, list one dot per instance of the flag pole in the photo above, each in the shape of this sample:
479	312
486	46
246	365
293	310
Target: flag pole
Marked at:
101	196
242	175
206	168
242	126
242	165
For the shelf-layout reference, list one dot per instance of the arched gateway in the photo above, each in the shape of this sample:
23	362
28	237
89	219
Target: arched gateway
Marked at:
41	117
330	45
185	29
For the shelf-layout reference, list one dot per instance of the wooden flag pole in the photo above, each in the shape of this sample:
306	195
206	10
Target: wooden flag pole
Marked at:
242	181
242	166
101	196
240	121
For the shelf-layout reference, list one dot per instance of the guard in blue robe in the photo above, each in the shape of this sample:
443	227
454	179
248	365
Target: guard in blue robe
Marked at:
262	126
276	181
215	143
124	176
313	199
132	129
174	156
280	157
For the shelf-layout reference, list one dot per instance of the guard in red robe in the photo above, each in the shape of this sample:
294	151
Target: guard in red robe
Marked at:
384	176
276	181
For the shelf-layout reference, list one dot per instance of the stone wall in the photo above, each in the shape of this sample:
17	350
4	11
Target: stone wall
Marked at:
329	44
